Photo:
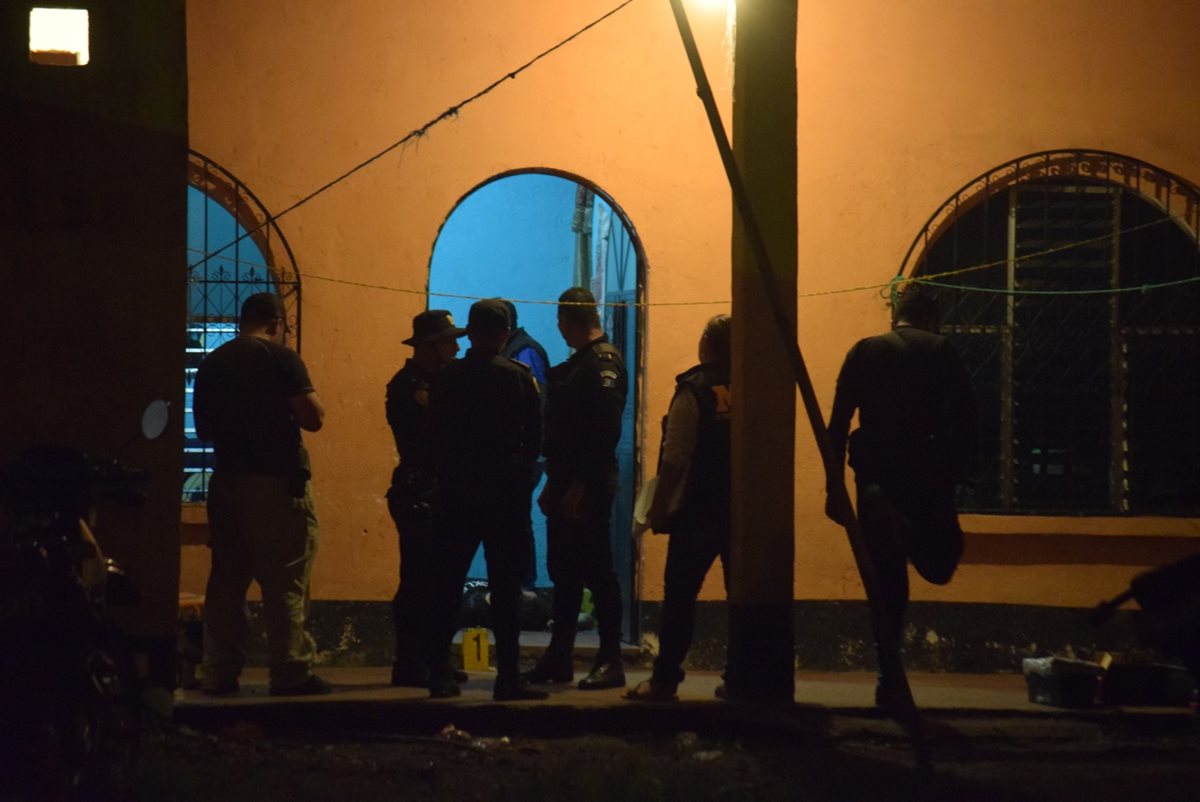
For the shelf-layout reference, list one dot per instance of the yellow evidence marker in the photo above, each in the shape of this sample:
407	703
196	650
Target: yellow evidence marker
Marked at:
475	649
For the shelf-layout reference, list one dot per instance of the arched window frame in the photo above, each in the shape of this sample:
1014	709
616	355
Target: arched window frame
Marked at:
985	319
227	267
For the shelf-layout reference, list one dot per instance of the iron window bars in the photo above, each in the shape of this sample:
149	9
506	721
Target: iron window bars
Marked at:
235	249
1068	281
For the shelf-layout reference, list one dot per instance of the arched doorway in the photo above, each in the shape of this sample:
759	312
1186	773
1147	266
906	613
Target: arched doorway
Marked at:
527	236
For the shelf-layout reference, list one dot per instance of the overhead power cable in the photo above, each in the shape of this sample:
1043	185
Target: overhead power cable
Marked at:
933	279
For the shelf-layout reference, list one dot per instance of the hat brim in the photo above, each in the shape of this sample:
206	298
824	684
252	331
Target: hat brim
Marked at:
443	334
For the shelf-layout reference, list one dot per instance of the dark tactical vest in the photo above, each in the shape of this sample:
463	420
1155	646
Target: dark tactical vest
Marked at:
705	498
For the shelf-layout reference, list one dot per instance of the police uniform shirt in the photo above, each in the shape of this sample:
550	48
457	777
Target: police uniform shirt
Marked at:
486	420
584	407
408	416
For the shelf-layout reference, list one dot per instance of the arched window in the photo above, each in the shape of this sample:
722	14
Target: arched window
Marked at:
225	266
1070	281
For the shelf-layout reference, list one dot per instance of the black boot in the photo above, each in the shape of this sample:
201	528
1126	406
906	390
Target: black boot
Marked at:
409	675
443	686
605	674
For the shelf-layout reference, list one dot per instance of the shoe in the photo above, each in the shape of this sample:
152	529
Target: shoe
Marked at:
652	691
410	677
518	691
443	688
548	672
419	677
609	674
886	699
313	686
227	688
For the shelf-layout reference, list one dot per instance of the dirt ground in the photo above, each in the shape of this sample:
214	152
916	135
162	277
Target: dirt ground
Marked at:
837	758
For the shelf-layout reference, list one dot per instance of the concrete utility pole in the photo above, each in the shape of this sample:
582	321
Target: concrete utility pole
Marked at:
761	649
762	176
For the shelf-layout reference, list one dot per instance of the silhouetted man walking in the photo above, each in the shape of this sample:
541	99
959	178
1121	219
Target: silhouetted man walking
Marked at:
691	501
917	432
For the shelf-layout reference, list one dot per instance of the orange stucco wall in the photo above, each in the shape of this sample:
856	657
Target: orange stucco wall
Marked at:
903	102
899	104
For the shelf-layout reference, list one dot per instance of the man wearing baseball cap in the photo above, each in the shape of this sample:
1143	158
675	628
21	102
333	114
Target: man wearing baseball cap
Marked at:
435	344
487	431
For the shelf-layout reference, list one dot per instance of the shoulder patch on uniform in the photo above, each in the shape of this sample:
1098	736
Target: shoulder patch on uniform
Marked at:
608	377
606	356
521	365
421	397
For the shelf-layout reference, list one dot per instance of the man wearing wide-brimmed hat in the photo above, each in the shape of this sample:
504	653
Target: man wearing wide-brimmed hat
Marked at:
435	343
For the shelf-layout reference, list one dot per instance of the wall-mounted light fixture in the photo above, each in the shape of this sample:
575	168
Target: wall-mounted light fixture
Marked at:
59	36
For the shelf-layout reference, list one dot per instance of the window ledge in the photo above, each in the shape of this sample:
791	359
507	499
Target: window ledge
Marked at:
194	521
193	524
1083	526
194	512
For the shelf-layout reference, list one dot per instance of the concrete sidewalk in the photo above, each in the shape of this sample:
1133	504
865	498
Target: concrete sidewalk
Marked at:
836	692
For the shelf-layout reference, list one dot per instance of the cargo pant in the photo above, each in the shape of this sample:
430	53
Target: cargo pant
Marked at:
468	514
261	533
413	516
579	554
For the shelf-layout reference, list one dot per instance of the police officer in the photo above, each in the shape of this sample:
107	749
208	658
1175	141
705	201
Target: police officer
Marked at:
584	404
917	433
523	348
691	501
435	343
487	429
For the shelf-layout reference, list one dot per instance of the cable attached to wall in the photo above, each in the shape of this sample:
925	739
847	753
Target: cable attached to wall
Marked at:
417	133
885	289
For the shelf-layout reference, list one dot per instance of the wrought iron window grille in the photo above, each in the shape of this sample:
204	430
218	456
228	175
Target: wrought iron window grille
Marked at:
235	249
1090	403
